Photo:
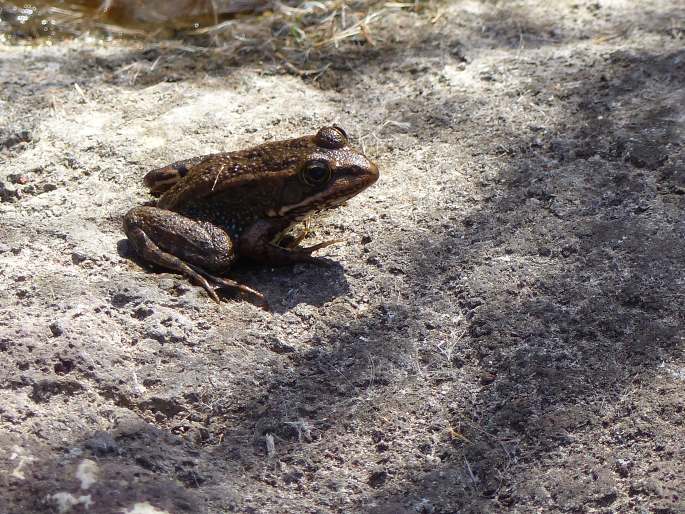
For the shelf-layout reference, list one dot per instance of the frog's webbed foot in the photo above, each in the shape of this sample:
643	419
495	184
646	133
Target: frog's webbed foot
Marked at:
226	283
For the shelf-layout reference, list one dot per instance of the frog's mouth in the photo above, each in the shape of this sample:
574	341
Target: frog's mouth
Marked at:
310	205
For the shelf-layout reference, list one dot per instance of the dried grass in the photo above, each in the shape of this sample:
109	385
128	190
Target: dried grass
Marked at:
274	28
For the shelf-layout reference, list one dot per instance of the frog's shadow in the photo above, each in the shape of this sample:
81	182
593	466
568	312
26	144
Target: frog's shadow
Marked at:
284	287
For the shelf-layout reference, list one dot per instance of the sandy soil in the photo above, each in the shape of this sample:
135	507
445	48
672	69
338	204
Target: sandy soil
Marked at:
504	330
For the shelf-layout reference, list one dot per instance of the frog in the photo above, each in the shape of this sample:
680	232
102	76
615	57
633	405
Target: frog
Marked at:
215	209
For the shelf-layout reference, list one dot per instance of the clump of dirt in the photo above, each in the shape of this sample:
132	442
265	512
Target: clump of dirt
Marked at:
503	330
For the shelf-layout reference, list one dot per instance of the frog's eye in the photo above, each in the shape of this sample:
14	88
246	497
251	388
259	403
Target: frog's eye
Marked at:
316	173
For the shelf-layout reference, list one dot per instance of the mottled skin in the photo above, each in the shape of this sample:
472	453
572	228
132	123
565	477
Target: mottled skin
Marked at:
216	208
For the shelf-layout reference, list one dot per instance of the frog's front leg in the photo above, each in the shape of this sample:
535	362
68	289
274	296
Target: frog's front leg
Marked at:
195	248
259	242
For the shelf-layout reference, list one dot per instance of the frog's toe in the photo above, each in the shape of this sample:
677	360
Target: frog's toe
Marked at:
258	298
227	283
206	286
311	249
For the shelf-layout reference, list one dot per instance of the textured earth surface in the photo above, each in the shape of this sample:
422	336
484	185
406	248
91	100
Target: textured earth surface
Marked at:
504	329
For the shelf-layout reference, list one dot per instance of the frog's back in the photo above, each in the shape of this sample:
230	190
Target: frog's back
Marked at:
209	175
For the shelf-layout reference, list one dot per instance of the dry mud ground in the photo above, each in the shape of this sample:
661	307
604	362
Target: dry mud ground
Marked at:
502	332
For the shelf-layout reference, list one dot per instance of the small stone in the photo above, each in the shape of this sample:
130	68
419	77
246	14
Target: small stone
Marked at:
623	467
57	328
78	257
17	178
73	163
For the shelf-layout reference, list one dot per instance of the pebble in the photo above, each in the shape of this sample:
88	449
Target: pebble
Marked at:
57	328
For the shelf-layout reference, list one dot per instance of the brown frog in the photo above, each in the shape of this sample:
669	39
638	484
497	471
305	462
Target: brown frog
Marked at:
216	208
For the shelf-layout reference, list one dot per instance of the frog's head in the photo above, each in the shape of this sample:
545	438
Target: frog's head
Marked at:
328	173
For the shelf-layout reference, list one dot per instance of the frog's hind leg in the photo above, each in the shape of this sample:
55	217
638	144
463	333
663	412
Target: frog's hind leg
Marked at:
149	251
175	242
